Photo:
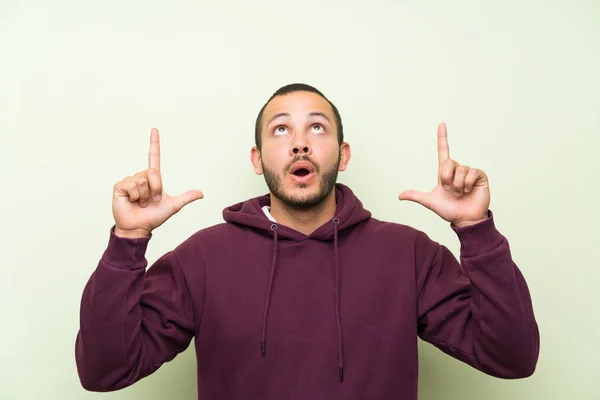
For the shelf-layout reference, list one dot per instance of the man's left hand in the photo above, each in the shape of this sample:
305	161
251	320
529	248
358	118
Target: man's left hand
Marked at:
462	194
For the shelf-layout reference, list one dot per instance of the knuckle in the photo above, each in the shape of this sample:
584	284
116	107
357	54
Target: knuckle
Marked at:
123	182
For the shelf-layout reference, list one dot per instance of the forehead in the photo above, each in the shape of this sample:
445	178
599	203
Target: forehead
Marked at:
297	103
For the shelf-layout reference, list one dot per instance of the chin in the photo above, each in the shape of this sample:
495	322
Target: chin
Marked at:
300	191
303	196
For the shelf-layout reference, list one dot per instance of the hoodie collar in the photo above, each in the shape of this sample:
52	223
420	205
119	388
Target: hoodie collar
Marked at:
349	211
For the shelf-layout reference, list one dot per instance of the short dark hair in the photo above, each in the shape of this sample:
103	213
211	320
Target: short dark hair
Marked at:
297	87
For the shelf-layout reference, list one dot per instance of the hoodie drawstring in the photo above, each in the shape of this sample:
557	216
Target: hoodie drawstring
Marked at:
336	272
263	341
336	275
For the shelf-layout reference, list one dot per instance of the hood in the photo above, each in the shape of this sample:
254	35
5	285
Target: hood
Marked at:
349	212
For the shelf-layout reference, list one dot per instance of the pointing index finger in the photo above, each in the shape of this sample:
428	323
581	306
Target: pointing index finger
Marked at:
154	153
443	149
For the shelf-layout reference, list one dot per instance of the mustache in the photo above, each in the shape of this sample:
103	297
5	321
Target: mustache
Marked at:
302	158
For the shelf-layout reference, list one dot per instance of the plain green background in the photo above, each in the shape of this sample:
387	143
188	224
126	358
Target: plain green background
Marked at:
82	83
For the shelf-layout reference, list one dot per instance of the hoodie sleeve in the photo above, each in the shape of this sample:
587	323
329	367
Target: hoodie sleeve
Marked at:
479	310
131	321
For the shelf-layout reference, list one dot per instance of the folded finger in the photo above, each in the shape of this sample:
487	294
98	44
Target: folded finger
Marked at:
458	183
127	188
155	184
144	189
470	179
447	174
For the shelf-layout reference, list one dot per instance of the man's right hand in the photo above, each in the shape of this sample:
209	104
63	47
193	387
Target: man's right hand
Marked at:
139	203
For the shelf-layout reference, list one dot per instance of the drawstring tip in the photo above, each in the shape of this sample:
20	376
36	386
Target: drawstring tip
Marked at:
263	348
341	374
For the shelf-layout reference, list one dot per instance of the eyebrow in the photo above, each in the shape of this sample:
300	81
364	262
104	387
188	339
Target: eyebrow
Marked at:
312	114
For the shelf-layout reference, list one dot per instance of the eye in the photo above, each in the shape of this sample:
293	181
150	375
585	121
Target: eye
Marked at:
280	130
318	128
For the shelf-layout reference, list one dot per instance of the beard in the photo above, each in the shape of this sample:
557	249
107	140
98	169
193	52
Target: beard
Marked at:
326	184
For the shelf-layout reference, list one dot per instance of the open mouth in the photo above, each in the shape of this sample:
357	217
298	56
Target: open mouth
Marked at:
301	172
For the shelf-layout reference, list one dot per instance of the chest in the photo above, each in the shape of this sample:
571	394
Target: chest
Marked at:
376	292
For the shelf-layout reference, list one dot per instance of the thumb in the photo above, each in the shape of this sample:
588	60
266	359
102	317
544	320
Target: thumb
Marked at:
414	196
184	199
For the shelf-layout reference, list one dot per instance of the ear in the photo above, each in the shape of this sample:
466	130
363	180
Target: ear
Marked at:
255	159
345	155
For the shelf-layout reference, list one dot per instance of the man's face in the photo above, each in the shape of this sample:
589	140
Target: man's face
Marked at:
300	155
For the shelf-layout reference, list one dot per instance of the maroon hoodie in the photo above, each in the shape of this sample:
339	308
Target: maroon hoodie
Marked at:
276	314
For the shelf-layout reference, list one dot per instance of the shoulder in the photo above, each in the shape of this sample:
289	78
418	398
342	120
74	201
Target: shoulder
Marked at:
215	236
394	229
398	234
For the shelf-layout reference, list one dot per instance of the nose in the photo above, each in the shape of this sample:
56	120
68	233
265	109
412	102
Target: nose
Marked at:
297	150
300	145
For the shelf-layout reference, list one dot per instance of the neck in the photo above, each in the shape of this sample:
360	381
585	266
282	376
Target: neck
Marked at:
305	221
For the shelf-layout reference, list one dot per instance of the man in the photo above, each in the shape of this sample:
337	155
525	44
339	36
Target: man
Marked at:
301	293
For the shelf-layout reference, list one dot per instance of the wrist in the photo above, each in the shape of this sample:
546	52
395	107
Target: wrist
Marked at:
465	223
131	233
